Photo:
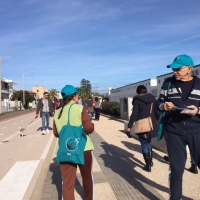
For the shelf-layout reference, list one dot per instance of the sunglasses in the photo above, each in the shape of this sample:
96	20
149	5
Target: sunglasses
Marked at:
177	70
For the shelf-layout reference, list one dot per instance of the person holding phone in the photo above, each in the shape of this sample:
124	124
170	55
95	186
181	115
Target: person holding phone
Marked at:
182	126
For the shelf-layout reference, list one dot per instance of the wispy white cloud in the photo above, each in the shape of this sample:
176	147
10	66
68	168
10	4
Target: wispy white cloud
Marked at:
118	42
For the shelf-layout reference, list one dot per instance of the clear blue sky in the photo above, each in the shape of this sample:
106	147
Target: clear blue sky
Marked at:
108	42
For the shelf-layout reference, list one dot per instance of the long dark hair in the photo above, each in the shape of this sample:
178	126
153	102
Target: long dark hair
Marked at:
141	89
65	102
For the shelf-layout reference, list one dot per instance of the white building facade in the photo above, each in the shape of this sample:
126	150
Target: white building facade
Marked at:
130	90
153	86
7	89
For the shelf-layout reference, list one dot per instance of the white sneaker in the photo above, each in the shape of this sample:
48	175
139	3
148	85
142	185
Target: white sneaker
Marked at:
47	130
44	132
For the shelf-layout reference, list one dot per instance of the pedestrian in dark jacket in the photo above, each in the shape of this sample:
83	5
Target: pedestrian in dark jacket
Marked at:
182	123
141	109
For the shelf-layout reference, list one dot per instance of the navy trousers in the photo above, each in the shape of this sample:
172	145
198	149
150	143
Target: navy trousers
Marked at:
176	147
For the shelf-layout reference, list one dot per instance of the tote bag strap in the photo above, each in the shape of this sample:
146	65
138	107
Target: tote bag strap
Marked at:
68	123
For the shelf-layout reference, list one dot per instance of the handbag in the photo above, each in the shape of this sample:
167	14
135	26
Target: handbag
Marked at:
144	125
72	141
162	120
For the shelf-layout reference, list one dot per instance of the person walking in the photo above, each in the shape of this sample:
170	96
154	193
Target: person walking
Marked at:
144	103
180	98
97	105
57	104
30	105
78	116
81	100
46	109
89	107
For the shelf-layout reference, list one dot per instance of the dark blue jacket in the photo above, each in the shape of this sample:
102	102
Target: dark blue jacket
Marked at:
175	122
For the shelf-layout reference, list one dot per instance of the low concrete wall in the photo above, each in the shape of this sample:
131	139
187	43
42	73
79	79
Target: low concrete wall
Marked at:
161	146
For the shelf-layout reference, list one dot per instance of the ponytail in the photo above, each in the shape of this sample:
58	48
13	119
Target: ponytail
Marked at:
65	102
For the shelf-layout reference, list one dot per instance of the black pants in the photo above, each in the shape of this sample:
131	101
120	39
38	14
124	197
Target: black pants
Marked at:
176	147
97	113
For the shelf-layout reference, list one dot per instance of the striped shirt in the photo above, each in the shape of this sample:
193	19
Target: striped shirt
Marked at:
175	122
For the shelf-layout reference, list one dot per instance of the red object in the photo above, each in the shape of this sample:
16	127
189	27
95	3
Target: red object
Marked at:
36	116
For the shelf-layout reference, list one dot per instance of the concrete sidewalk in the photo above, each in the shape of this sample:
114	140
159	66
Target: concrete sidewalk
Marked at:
117	170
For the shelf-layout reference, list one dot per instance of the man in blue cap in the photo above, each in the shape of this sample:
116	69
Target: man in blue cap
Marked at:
180	97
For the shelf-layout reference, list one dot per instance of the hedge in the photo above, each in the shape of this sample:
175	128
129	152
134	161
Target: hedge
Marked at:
111	108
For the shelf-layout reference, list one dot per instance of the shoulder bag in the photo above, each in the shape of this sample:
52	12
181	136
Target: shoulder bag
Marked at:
72	141
144	125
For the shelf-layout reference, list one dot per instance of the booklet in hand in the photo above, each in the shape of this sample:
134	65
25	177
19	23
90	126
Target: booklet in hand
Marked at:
184	110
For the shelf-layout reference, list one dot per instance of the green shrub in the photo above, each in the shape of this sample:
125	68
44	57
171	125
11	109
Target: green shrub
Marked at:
111	108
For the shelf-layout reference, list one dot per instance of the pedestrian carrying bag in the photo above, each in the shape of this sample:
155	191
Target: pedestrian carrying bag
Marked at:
144	125
72	141
161	124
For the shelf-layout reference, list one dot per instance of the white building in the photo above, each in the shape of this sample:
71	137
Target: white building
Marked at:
130	90
7	89
153	86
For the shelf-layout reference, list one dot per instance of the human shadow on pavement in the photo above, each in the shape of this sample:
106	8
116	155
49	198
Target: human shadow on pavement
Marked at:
56	179
138	148
123	163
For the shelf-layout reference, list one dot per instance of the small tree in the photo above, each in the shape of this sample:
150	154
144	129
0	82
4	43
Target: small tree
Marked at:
85	88
53	93
18	96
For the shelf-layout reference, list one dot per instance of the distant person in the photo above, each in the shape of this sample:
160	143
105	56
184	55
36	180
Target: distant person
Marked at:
57	104
90	108
193	169
46	109
54	102
143	103
97	105
78	116
81	100
30	105
182	122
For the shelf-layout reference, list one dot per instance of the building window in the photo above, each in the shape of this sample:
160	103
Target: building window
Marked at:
6	85
159	81
196	72
37	90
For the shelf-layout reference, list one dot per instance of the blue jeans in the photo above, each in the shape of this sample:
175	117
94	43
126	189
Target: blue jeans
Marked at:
45	117
145	143
192	160
90	115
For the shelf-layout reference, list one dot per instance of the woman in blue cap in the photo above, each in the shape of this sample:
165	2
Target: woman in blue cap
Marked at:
75	115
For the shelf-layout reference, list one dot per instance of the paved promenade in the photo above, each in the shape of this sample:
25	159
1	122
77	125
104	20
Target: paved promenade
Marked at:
117	170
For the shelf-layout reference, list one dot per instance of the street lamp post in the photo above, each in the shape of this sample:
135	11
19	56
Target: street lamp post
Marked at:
0	74
24	87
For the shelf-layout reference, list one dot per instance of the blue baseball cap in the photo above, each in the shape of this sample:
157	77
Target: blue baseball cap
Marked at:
69	90
180	61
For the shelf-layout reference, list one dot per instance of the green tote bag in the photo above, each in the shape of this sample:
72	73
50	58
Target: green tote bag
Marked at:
72	141
162	120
